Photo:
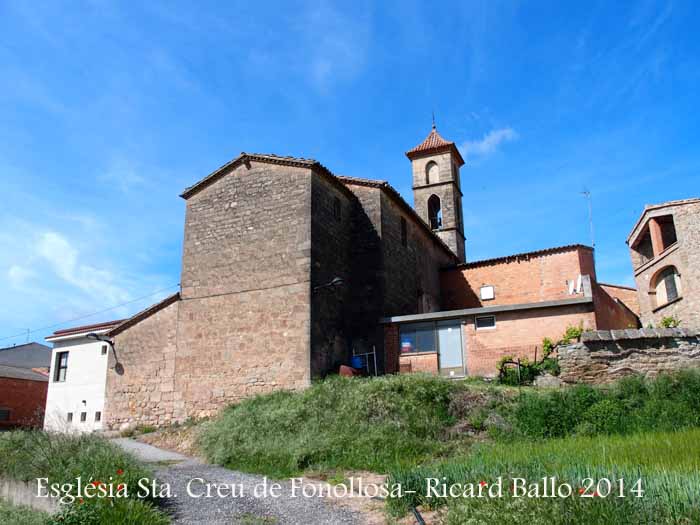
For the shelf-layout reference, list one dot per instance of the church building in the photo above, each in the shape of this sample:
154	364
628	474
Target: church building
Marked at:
289	270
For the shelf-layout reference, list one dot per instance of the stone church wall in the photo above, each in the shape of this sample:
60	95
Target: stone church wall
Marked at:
603	356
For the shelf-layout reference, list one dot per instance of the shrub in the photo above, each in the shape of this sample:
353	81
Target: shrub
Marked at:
670	322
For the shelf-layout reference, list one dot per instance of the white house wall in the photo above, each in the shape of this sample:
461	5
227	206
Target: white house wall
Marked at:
82	391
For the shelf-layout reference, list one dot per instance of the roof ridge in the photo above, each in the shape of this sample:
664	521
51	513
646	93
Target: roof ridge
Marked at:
534	253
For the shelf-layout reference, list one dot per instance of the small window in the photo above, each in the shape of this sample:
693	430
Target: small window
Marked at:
61	367
69	417
83	417
104	350
404	232
336	208
487	293
434	212
98	417
4	414
418	337
486	322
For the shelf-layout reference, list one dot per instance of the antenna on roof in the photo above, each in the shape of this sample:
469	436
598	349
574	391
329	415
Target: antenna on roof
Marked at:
587	195
433	119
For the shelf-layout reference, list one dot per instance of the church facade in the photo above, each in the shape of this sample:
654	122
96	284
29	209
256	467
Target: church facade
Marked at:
288	270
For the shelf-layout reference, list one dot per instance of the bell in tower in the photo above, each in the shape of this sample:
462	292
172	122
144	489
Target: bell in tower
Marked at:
436	188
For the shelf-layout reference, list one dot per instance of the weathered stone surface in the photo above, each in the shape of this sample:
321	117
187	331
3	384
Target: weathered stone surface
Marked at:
637	352
548	381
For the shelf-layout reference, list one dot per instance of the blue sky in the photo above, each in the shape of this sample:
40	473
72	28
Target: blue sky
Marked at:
109	109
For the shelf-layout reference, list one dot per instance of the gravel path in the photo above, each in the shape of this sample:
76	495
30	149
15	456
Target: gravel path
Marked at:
177	470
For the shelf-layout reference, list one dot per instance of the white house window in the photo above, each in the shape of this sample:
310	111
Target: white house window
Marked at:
61	367
98	416
487	293
69	417
83	417
485	322
103	350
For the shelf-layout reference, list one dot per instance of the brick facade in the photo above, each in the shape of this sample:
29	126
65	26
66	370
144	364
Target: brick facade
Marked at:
668	235
26	401
527	281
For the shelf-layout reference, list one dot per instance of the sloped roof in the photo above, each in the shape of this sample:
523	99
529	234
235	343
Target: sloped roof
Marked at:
434	143
28	355
393	193
16	372
524	255
269	158
84	329
652	207
143	314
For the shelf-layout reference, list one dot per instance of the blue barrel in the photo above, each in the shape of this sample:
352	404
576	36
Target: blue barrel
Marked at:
357	361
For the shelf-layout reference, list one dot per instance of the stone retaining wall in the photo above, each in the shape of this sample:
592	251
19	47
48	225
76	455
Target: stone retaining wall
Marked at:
603	356
24	493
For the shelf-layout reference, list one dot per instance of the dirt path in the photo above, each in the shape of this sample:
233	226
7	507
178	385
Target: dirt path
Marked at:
290	507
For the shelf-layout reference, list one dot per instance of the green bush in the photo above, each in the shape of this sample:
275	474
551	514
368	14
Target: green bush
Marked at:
670	402
338	423
103	511
21	515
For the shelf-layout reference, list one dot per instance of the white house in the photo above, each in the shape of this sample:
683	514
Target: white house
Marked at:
77	378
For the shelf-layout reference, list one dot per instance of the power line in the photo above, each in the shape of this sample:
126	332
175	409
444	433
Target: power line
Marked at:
27	332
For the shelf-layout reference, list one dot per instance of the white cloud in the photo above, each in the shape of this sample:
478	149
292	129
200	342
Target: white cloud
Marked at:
19	275
65	261
489	143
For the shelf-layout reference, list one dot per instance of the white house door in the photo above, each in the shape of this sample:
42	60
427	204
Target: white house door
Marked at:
451	350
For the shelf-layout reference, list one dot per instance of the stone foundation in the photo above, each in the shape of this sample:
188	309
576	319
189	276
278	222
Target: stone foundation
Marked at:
606	355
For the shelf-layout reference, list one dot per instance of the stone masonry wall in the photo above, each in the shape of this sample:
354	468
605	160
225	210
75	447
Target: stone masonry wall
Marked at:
603	356
144	391
242	325
685	256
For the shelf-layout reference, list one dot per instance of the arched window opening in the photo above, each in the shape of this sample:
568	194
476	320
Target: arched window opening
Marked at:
666	286
434	212
431	173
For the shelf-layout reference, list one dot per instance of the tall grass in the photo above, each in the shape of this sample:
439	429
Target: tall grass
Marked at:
667	463
28	455
631	405
347	423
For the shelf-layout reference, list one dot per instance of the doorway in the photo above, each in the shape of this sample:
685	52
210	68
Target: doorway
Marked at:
450	348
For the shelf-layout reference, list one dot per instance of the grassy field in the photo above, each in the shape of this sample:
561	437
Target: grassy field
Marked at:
415	427
667	464
10	515
62	458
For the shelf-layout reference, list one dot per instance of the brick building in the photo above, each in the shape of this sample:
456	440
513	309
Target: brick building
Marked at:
287	269
665	251
23	383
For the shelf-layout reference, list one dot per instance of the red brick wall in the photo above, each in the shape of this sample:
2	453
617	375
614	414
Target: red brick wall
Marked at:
420	362
609	313
624	294
26	400
520	334
517	280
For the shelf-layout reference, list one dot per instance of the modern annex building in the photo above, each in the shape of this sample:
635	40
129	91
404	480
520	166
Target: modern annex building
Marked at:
288	269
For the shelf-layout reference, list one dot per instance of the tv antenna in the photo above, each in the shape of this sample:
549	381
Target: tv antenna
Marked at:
587	195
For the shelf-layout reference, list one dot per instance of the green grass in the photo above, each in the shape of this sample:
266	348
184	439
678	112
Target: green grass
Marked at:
10	515
340	423
28	455
667	463
632	405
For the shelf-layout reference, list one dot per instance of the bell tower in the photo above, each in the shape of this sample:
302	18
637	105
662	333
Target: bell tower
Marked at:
437	196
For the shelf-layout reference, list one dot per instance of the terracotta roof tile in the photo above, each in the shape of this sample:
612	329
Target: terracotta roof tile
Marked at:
434	143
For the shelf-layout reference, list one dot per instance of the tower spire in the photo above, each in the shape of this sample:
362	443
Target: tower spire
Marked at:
434	120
